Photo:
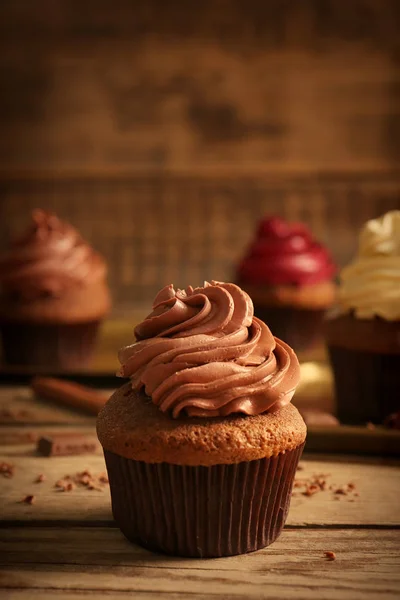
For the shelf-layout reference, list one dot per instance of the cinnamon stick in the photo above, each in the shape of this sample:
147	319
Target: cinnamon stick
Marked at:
68	394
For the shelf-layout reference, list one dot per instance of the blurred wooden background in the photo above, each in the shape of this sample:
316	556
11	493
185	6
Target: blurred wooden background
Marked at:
164	129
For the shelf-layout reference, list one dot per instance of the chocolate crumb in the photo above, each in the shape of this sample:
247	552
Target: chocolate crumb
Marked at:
330	555
40	478
82	479
311	490
91	486
30	499
7	469
65	485
87	472
309	486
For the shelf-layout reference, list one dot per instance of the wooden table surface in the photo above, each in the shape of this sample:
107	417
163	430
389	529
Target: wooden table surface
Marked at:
66	546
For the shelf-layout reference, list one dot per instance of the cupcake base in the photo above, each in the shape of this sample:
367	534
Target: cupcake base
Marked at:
48	345
300	328
214	511
366	385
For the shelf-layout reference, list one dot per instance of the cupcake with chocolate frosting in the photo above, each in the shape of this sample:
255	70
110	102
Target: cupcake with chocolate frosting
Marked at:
202	443
289	276
363	332
53	295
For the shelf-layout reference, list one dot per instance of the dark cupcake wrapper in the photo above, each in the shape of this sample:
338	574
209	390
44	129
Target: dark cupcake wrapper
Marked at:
214	511
366	385
302	329
48	345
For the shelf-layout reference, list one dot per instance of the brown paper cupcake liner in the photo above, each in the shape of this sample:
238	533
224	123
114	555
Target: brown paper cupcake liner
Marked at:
49	345
214	511
366	385
300	328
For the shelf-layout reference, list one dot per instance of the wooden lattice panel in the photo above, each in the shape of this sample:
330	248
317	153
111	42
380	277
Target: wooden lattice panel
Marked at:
158	230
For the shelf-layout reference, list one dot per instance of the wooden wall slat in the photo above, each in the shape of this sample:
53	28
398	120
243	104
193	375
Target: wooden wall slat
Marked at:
172	85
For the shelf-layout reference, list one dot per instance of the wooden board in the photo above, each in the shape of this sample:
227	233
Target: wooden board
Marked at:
81	562
377	485
66	545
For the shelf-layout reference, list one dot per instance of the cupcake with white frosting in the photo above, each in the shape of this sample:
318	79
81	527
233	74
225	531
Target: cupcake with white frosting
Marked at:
364	332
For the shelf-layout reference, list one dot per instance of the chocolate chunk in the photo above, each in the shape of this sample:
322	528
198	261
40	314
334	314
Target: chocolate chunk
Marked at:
7	469
66	444
30	499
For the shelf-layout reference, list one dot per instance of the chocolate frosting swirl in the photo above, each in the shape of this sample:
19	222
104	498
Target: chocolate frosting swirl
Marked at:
201	352
50	257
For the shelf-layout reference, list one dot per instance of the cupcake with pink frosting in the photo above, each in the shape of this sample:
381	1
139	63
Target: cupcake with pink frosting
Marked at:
289	275
202	443
54	295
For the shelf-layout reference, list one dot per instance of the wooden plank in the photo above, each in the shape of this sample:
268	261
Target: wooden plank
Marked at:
19	405
80	546
49	594
22	440
81	560
380	441
377	485
280	174
342	440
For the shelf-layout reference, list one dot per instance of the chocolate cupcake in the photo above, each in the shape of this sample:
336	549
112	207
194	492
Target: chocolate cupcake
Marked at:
53	296
289	276
202	445
363	333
